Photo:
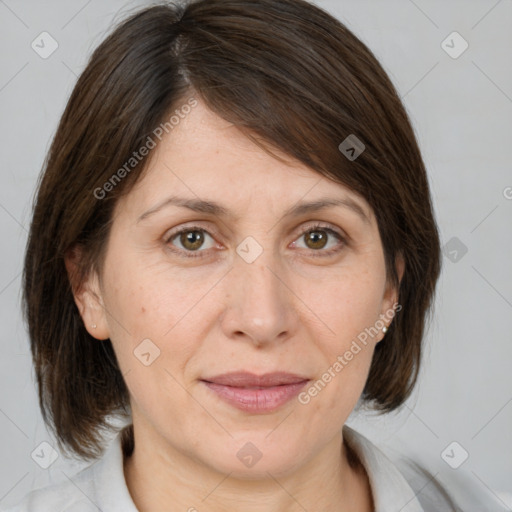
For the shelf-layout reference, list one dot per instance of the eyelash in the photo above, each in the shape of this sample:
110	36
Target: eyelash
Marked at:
316	227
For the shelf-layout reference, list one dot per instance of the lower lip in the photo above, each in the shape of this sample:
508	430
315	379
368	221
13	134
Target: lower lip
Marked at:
257	400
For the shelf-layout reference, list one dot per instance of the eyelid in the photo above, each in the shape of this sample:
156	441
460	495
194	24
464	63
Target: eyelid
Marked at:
318	224
186	228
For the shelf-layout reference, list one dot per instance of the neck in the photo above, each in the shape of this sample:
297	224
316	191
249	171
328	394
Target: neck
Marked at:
167	479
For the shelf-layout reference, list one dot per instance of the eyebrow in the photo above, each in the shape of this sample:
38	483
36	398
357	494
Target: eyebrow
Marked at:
301	208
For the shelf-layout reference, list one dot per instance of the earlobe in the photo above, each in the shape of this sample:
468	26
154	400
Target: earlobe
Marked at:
92	310
87	296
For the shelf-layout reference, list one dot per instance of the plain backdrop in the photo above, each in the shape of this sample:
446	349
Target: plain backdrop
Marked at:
461	109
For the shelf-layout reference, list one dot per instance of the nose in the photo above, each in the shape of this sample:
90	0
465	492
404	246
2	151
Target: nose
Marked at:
260	305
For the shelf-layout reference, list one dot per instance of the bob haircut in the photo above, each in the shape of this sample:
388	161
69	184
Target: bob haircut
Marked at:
290	77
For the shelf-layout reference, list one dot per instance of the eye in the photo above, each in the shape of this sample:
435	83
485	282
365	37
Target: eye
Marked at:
317	238
191	238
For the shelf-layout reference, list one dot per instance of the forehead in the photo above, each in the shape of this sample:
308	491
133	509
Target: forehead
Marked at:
207	164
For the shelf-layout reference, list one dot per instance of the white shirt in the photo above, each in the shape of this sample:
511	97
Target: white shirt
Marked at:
102	486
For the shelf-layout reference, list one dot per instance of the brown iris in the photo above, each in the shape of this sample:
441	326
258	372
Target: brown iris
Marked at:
318	239
194	238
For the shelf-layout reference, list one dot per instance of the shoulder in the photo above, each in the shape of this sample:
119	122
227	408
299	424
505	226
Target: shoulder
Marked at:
396	482
99	486
448	492
74	495
400	483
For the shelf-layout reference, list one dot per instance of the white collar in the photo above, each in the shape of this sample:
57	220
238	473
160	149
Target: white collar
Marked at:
110	487
389	487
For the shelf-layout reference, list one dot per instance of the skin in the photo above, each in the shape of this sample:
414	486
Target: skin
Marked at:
286	311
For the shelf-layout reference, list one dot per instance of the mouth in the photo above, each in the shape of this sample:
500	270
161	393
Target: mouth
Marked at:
256	393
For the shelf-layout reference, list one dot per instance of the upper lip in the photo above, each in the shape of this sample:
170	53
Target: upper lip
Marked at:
241	379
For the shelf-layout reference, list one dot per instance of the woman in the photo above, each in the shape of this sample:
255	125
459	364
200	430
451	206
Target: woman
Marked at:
233	242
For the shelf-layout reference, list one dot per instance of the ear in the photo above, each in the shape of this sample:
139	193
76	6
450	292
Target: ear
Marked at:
87	295
391	293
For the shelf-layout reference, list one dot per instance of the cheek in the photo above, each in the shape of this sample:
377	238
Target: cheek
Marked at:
143	300
147	335
347	303
149	312
348	306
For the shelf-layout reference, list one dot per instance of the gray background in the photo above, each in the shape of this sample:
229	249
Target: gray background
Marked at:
461	109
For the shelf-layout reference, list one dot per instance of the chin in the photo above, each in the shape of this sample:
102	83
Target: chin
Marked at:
253	458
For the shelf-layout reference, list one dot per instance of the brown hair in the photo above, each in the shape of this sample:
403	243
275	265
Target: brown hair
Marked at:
291	77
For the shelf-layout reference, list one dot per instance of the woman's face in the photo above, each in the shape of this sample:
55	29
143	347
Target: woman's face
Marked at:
250	286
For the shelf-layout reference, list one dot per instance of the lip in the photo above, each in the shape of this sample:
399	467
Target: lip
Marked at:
256	393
